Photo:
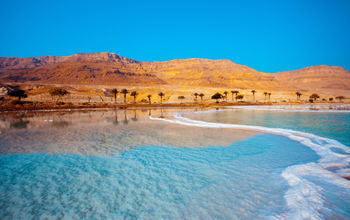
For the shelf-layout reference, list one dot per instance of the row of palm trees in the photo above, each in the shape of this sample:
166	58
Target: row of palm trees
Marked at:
237	95
216	96
315	96
60	92
134	94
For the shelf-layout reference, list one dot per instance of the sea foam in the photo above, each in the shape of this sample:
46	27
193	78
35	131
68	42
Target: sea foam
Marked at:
304	198
345	108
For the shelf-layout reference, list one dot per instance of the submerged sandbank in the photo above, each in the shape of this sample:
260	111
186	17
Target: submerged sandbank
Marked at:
103	132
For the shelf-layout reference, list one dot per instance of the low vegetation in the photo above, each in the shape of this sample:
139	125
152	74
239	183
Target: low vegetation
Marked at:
57	94
19	93
217	96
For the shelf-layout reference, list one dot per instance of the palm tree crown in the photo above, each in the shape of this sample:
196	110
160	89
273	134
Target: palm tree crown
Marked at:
236	93
115	92
161	97
149	98
125	91
253	91
201	95
134	94
195	95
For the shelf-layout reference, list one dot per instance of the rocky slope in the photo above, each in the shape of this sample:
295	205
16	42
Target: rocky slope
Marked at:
112	69
317	78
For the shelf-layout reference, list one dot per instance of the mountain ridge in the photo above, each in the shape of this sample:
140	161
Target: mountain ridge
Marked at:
113	69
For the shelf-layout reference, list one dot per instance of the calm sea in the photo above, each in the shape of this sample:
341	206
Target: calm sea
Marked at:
177	164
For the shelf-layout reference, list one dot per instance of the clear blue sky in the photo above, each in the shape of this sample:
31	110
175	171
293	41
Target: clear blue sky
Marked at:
267	35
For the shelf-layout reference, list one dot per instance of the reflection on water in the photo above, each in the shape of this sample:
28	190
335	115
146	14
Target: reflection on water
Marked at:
103	132
19	124
119	164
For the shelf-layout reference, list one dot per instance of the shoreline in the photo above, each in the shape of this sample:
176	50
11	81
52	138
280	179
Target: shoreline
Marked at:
53	107
48	107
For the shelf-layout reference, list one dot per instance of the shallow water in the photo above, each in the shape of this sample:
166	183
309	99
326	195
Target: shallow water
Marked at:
122	165
335	125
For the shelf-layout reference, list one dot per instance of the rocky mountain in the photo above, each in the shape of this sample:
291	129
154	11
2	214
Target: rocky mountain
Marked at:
96	68
316	78
112	69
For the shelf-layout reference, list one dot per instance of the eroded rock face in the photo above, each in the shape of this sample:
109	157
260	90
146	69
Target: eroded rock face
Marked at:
211	73
95	68
112	69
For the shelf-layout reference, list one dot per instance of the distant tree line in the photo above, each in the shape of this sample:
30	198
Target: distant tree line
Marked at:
58	93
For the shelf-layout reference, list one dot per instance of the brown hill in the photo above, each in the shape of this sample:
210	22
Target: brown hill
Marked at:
96	68
112	69
316	78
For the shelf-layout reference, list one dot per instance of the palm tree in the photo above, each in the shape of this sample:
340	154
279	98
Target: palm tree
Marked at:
340	98
225	93
298	95
201	95
265	93
149	98
181	97
161	97
269	94
314	96
134	94
115	92
125	91
236	93
239	97
217	96
253	91
195	95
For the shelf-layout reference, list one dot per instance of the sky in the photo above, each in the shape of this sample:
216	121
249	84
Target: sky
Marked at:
266	35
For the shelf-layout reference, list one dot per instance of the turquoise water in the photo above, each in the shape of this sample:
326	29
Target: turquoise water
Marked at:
333	125
122	165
